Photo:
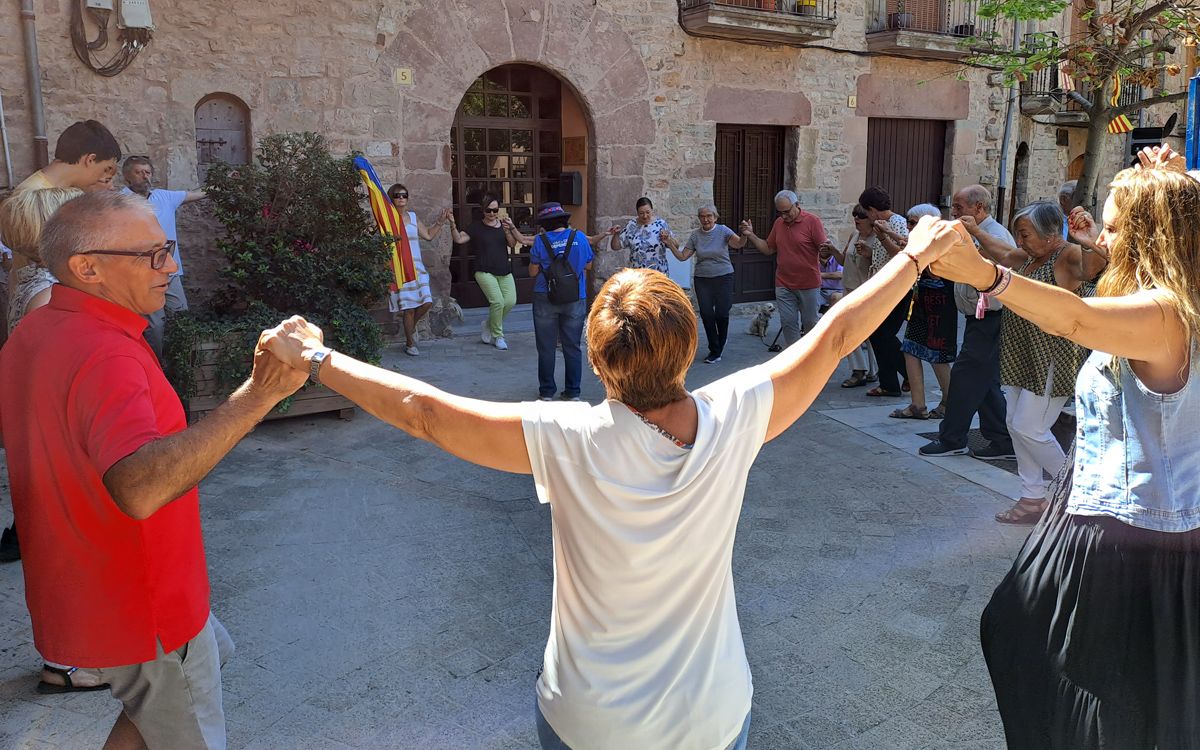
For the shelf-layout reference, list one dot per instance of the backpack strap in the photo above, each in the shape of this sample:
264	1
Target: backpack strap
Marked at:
570	243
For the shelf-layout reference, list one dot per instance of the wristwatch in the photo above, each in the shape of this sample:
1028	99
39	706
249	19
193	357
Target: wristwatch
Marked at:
314	364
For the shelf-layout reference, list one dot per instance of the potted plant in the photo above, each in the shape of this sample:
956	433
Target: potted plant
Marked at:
297	240
901	19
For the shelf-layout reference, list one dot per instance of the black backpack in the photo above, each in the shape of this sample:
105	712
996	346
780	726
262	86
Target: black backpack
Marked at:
562	283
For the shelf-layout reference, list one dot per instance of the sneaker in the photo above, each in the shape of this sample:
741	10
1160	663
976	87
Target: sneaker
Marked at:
546	398
501	344
938	448
712	359
10	549
412	351
485	333
565	397
992	453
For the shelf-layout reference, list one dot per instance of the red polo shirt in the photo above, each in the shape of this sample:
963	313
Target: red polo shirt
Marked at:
797	246
80	390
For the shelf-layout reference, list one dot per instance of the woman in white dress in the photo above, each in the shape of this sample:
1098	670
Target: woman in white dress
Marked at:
413	300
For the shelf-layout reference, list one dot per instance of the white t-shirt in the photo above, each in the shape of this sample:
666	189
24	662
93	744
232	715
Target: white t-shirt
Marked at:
165	203
645	650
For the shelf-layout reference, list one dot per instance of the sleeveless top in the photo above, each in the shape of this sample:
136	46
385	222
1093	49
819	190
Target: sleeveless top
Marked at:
1137	452
26	283
1026	351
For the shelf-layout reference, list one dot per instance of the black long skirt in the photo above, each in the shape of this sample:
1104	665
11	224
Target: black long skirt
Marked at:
1093	638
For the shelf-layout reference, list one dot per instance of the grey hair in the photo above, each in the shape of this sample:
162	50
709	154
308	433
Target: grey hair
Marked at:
711	209
1067	189
977	195
134	161
86	223
790	195
1044	216
924	209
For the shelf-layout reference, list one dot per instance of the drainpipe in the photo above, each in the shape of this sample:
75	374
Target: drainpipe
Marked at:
4	141
1013	93
33	71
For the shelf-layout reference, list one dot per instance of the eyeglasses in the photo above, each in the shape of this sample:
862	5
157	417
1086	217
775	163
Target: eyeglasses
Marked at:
398	196
911	222
491	210
157	256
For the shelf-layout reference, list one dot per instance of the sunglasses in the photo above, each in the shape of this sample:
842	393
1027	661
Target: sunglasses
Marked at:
398	196
158	256
491	210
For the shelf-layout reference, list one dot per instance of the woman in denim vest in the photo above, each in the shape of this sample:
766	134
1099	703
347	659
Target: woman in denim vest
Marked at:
1093	638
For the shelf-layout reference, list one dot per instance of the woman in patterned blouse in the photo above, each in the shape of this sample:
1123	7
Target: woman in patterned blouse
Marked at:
648	239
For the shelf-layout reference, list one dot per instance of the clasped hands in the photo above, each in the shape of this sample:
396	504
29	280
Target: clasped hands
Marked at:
281	357
945	248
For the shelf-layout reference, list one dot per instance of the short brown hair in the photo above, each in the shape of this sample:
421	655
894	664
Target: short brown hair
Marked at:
642	338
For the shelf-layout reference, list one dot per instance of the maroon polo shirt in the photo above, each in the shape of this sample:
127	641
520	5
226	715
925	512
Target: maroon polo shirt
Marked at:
797	246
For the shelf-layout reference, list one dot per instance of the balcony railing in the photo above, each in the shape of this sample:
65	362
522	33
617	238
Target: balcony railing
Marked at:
1044	92
773	21
933	28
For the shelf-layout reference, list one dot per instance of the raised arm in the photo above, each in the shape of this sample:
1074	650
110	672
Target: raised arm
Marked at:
1141	327
164	469
891	241
758	243
194	195
514	235
1084	232
802	370
735	240
994	248
486	433
616	242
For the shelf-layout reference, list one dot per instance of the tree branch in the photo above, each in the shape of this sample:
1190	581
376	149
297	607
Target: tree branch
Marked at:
1134	107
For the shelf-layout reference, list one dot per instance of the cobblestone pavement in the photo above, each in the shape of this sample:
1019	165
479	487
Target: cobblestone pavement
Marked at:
383	595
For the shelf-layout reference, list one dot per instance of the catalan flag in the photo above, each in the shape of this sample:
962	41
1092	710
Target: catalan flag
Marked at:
1120	124
1116	94
390	223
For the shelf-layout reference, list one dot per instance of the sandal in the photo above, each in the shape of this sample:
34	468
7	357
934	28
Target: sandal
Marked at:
938	412
855	380
872	378
909	412
1026	512
50	688
881	392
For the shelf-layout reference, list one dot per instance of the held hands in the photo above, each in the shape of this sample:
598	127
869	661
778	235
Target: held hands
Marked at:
664	235
746	228
969	224
292	342
271	377
1082	227
507	223
948	246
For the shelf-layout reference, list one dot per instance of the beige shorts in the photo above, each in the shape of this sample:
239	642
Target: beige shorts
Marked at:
175	700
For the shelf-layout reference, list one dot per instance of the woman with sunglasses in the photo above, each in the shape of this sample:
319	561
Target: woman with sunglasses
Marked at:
490	238
413	300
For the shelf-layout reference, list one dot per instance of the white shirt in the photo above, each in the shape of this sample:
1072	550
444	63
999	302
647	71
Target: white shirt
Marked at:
645	650
165	203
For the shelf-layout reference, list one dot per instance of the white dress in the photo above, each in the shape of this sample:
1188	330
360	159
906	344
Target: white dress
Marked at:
416	292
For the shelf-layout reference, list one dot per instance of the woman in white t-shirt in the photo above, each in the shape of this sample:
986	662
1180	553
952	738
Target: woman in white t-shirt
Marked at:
645	649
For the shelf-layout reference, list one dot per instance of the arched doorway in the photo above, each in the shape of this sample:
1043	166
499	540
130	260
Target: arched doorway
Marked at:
521	135
1020	193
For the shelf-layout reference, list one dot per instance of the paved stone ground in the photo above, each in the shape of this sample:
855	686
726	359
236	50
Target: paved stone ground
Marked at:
383	595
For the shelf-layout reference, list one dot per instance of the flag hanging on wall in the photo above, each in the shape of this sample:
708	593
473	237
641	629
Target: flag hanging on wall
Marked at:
1120	124
390	222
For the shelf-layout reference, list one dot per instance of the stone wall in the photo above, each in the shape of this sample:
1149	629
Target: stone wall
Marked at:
653	95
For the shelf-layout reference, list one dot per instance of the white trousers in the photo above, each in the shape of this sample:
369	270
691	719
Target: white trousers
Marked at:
1029	419
863	358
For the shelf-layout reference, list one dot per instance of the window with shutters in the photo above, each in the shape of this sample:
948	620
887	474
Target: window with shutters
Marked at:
748	173
222	132
907	159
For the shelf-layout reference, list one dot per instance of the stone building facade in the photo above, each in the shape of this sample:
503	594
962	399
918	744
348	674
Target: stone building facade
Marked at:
644	101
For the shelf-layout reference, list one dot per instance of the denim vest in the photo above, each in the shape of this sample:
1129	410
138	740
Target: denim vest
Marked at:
1137	452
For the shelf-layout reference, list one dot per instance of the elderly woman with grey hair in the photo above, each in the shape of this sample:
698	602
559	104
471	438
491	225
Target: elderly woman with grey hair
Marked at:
713	280
1037	370
931	334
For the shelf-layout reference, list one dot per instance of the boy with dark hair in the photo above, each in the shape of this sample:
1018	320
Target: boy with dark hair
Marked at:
86	154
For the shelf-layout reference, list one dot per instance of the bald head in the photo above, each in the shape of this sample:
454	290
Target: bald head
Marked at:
974	201
98	220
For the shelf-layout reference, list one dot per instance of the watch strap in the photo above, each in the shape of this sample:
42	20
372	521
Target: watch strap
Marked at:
314	364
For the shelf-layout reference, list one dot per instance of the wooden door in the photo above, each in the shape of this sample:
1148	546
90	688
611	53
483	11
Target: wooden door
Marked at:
507	141
906	158
222	132
748	173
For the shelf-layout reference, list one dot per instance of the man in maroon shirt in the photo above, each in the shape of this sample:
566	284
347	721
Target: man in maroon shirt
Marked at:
797	237
103	471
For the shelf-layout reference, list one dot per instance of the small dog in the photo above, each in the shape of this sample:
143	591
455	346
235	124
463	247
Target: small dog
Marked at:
762	322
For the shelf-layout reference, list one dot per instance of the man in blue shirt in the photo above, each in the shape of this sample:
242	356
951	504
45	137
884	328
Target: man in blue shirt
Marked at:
558	323
139	175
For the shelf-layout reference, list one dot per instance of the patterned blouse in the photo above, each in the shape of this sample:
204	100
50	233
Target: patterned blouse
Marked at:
879	254
1026	351
646	250
26	283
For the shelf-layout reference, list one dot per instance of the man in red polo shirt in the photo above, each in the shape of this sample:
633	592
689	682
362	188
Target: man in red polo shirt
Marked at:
103	471
797	237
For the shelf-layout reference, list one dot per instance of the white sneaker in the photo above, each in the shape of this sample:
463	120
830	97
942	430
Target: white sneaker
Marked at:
501	344
485	333
412	351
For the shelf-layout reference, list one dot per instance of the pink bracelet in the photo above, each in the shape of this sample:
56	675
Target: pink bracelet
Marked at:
1004	278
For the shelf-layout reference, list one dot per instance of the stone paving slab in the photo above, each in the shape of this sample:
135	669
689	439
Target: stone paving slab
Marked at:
384	595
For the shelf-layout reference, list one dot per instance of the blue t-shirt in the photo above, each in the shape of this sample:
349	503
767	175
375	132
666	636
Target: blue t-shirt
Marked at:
165	203
580	255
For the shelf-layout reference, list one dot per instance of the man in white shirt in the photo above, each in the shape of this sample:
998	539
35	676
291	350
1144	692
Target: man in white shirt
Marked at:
138	173
975	377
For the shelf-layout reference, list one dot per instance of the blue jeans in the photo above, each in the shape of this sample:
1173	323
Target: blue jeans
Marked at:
551	741
553	324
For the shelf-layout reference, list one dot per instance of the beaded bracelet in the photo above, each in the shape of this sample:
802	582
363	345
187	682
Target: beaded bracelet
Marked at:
1003	279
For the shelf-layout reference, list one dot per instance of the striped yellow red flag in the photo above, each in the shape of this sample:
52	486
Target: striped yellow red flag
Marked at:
1116	94
1120	124
390	222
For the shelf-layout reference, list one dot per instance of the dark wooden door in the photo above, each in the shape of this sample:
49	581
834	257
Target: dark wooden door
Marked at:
507	141
222	132
749	171
906	158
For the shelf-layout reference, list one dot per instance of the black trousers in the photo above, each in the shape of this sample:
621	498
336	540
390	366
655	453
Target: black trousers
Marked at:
887	348
975	386
715	296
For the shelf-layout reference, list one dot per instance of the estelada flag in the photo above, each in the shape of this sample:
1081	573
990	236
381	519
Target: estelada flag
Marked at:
390	223
1120	124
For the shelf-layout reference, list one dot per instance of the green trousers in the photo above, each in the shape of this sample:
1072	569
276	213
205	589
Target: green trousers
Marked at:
501	293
